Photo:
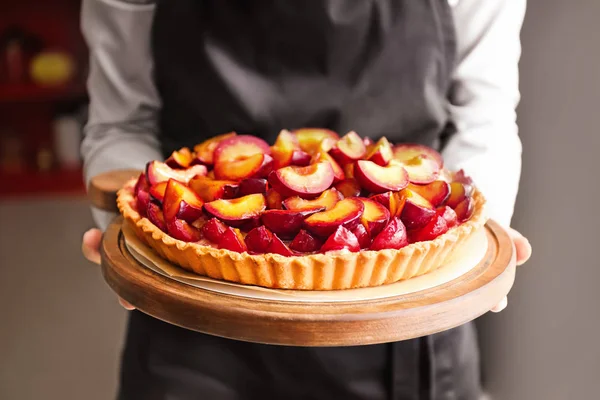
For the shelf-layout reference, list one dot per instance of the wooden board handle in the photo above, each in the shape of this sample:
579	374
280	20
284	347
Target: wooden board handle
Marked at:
103	188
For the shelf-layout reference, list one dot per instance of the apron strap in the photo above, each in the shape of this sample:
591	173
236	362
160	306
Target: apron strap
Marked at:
412	369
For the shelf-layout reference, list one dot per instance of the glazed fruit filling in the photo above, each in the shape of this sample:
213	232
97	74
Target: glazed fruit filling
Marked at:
312	191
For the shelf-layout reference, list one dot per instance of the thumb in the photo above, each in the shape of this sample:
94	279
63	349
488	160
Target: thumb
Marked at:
90	245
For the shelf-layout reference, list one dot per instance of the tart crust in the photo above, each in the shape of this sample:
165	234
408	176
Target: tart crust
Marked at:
329	271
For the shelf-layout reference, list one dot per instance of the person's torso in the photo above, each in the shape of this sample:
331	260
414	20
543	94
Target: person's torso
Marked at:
378	67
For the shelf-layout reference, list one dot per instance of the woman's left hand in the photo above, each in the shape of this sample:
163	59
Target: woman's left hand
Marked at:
523	253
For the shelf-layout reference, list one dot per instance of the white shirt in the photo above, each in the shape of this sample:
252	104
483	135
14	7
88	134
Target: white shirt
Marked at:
124	103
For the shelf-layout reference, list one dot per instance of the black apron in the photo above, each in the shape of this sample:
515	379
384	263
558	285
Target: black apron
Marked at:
381	68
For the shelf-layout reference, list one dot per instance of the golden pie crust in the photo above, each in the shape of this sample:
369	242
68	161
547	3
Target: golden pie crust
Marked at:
330	271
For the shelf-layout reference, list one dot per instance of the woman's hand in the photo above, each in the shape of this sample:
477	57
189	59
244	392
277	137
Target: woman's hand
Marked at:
90	246
523	253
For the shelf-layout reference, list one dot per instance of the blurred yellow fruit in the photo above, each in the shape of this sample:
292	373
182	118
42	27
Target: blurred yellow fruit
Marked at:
52	68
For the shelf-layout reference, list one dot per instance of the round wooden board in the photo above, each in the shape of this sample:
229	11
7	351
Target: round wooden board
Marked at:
312	324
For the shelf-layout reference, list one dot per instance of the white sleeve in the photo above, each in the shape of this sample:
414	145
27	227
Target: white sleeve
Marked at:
483	100
122	125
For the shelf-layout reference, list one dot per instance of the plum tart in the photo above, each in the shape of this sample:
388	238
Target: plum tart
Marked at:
312	211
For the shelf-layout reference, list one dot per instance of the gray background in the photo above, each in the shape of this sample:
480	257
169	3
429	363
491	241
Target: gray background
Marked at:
61	329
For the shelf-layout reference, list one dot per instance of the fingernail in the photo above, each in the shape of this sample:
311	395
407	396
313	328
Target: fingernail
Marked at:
126	305
501	306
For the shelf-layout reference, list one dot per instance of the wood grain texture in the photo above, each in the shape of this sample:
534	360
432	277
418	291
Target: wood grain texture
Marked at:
103	188
312	324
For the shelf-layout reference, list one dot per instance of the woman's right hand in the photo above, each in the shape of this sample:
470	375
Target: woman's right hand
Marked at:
90	246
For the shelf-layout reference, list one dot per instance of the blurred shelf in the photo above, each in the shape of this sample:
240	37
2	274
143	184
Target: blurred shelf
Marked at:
33	183
29	92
